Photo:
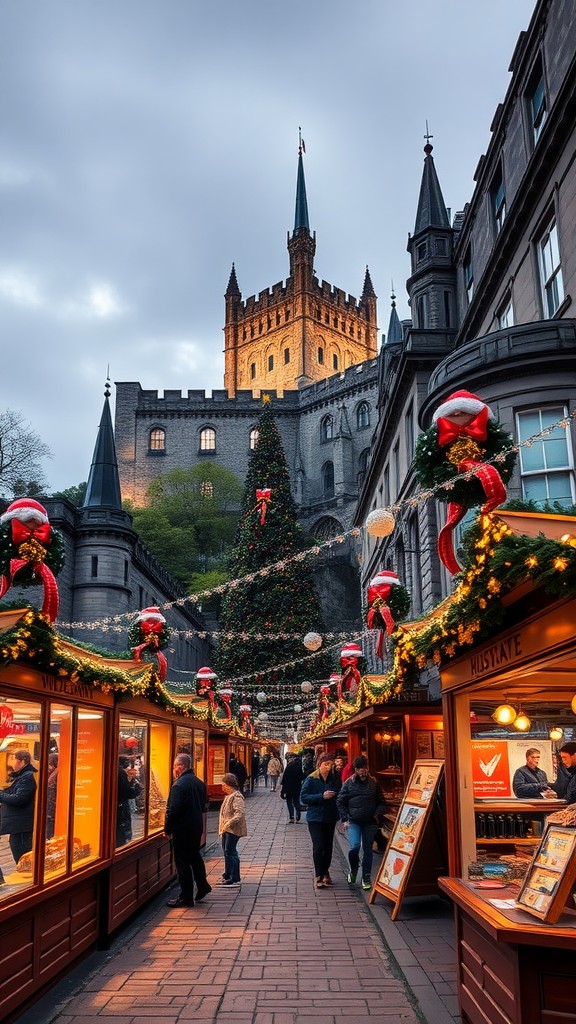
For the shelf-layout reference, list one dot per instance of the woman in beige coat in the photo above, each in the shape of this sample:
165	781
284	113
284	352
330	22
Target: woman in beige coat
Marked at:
231	826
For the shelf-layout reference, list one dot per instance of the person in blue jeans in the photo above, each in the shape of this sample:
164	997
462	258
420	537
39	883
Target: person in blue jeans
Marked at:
361	806
231	826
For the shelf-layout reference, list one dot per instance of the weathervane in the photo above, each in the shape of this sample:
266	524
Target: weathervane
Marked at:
428	136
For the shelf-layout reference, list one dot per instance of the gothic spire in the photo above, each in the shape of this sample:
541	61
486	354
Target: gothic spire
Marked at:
431	208
103	488
394	335
368	289
301	215
232	289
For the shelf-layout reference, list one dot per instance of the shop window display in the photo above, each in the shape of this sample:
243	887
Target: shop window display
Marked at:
20	765
160	774
131	802
199	759
88	771
56	777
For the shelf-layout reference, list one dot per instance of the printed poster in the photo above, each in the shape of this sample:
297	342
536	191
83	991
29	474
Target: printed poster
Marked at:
490	769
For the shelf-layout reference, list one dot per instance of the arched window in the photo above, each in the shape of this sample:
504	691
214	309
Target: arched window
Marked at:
157	440
207	489
328	480
363	416
270	363
286	356
320	355
327	429
326	528
362	466
252	371
208	440
254	435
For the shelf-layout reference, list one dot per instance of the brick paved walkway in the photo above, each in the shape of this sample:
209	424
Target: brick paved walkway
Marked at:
275	951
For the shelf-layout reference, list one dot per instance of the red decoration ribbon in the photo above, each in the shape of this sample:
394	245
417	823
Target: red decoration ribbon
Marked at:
350	675
263	496
476	429
378	609
495	492
21	532
51	597
153	642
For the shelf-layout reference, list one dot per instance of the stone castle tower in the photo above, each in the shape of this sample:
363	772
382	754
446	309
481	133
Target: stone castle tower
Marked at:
299	331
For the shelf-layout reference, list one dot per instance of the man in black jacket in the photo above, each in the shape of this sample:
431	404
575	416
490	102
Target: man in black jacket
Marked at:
17	802
361	805
185	822
291	786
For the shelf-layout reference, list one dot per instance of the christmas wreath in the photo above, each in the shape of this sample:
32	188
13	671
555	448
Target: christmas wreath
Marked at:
433	469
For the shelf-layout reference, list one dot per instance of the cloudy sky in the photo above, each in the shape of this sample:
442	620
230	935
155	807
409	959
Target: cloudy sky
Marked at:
148	144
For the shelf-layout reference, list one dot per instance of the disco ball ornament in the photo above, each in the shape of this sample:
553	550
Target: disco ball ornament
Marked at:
312	641
261	697
297	708
380	522
306	686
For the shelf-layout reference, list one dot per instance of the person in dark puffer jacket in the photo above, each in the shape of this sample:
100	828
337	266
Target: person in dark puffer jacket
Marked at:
318	797
361	806
17	800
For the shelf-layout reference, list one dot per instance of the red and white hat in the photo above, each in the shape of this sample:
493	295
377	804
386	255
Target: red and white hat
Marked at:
384	578
150	615
206	674
351	651
334	678
25	509
461	401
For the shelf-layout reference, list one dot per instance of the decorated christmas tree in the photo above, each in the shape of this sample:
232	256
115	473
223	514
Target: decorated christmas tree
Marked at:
283	600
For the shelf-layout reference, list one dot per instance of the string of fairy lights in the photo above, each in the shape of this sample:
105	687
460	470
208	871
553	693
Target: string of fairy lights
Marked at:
249	685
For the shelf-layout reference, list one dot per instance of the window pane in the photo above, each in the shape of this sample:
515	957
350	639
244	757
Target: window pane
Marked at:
160	774
556	450
528	424
88	787
532	458
58	765
535	488
131	804
559	488
207	439
19	777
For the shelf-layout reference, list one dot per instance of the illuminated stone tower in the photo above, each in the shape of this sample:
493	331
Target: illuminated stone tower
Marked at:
300	331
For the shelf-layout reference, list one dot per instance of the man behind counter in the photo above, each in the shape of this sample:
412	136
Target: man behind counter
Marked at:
529	781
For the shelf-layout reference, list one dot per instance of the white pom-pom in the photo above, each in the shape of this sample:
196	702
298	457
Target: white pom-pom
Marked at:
312	641
297	708
380	522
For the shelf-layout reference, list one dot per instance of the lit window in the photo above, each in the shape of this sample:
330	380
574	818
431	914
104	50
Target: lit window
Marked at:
157	440
363	416
207	440
253	438
550	270
207	489
327	429
328	479
546	464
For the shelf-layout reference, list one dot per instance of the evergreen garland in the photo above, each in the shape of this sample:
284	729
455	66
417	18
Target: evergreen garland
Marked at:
25	576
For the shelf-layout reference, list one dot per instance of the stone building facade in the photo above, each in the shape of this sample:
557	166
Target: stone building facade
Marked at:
313	349
493	310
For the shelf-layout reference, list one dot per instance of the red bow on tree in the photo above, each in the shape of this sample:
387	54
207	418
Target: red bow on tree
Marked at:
263	496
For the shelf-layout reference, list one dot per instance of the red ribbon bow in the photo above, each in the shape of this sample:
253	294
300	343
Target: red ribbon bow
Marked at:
22	532
378	609
154	643
262	498
350	675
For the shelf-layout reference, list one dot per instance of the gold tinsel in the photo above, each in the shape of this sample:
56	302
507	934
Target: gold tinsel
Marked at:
465	448
32	551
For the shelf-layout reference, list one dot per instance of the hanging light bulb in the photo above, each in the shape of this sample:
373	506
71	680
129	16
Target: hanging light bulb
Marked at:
505	714
573	704
522	722
556	733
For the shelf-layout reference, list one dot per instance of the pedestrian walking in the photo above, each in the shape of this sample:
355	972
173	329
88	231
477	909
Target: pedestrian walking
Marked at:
361	807
274	771
291	786
231	826
237	768
187	802
318	797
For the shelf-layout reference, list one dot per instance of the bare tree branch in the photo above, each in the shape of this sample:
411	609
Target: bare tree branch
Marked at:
21	454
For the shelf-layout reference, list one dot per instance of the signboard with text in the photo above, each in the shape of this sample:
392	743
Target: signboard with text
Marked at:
494	762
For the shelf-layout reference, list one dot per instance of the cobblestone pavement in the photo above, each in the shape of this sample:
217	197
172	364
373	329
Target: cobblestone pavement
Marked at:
274	951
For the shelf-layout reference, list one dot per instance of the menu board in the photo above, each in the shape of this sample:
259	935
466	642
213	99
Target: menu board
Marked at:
406	840
551	875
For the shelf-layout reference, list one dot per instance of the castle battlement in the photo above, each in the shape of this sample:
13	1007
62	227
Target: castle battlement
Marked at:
218	401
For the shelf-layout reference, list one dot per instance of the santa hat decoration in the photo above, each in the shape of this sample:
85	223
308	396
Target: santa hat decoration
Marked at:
205	674
384	578
351	650
334	678
25	510
462	401
150	615
245	709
